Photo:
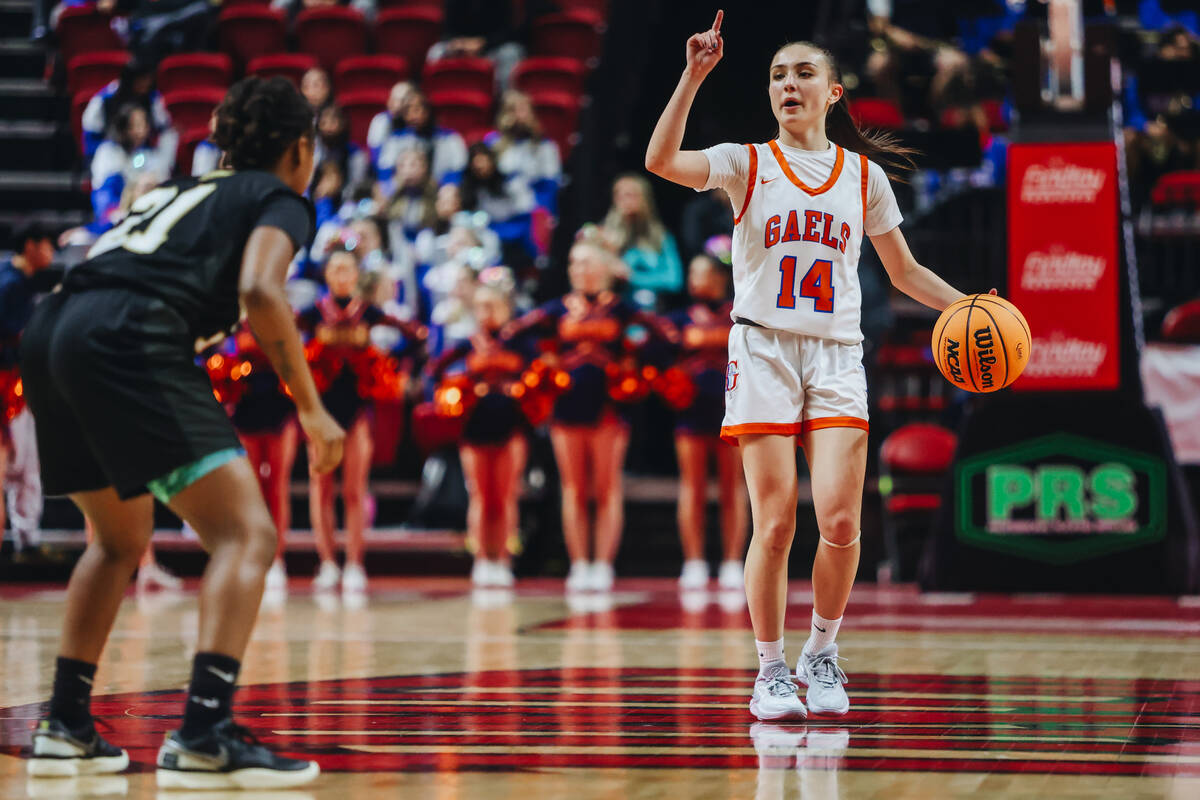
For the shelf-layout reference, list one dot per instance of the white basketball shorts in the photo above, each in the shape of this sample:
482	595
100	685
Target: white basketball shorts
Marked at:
784	383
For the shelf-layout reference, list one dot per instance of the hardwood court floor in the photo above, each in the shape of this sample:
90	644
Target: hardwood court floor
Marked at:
432	691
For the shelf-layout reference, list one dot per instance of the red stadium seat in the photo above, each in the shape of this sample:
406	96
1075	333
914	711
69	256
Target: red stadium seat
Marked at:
192	108
248	31
369	72
331	34
194	70
462	110
83	29
360	108
913	462
919	448
91	72
559	115
995	116
79	102
408	32
436	5
536	75
465	74
289	65
874	112
574	34
1179	188
188	140
1182	323
597	7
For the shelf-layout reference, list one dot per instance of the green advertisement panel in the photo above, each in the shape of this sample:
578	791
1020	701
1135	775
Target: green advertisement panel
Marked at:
1061	499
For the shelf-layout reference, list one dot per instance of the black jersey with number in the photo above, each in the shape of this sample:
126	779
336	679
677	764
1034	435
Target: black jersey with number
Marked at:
182	242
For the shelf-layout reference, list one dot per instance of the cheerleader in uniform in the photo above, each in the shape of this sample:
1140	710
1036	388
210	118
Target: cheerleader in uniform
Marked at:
695	387
589	329
348	372
493	446
265	419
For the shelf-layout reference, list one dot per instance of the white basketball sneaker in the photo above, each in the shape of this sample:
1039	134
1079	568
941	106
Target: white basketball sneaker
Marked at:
579	579
602	577
277	577
501	575
327	578
694	574
731	575
777	698
825	681
354	579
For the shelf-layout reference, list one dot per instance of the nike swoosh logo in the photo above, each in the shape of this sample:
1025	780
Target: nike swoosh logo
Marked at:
228	677
88	681
818	627
765	180
207	702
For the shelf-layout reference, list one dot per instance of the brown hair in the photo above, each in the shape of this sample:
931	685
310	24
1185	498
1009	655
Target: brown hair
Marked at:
841	129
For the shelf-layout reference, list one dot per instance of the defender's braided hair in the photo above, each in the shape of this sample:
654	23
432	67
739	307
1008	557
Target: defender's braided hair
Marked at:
258	121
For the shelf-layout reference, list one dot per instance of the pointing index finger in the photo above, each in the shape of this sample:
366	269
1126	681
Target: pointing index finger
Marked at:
716	26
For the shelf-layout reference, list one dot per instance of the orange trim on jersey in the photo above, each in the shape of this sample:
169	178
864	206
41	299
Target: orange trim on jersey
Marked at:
862	160
750	183
820	423
730	433
791	176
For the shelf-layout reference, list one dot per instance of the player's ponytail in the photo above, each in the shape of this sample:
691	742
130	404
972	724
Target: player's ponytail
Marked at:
259	119
841	129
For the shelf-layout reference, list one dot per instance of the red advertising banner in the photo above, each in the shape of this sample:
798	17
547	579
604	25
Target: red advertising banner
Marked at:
1062	263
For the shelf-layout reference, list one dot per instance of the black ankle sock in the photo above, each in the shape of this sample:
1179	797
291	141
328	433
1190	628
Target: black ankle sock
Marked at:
210	696
71	702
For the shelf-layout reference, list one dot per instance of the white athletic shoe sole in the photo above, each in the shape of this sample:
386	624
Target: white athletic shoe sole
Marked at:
238	779
781	714
74	767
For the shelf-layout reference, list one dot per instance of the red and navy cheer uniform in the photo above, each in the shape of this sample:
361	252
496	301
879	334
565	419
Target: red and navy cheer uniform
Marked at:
702	353
262	405
347	367
589	335
495	364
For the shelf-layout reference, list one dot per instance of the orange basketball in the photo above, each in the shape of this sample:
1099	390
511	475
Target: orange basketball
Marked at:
981	343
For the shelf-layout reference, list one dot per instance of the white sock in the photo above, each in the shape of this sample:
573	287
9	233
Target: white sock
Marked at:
822	634
770	657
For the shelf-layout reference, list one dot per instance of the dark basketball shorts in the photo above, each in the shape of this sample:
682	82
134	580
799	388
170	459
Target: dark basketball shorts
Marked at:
117	397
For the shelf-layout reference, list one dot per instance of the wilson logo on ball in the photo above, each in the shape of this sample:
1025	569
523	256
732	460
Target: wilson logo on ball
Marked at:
987	360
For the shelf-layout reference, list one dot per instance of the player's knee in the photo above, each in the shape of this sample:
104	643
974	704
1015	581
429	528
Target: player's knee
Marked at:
120	549
840	526
775	536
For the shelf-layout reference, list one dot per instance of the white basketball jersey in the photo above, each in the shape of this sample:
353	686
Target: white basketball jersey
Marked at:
796	247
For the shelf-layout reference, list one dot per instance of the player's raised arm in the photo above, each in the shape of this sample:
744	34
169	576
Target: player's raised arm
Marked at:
663	156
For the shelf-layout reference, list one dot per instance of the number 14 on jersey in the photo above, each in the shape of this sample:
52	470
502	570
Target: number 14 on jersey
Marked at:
817	284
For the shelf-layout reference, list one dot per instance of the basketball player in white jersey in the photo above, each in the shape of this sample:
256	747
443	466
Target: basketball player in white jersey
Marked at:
802	204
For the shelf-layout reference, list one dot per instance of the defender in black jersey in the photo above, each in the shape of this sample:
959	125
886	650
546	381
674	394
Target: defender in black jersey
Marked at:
123	412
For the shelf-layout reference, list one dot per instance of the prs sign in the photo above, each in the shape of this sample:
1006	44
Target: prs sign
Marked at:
1061	499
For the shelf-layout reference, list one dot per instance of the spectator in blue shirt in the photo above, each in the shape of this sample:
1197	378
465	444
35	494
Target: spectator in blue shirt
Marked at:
134	87
633	226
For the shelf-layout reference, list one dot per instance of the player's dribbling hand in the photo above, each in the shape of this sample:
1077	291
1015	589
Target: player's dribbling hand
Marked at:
326	440
704	50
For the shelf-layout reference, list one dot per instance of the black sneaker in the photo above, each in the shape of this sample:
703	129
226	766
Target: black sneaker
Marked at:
59	752
228	757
